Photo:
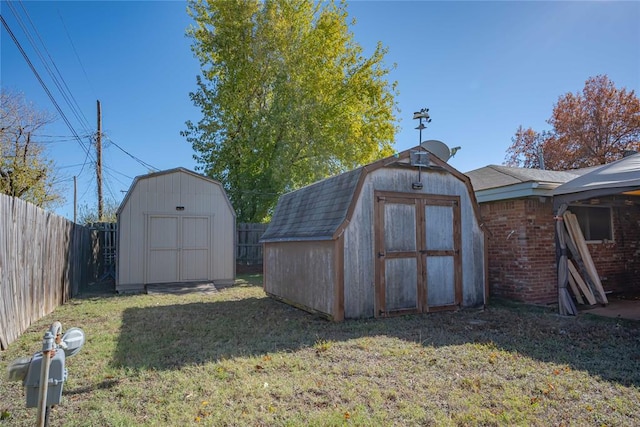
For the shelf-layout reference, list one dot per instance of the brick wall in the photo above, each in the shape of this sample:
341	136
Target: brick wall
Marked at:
522	254
522	257
618	262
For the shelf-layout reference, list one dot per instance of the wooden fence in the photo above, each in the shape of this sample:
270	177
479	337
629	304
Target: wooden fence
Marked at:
44	260
249	251
106	258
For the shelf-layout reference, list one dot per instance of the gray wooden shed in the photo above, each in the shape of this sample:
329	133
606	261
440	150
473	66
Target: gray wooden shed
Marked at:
175	226
384	239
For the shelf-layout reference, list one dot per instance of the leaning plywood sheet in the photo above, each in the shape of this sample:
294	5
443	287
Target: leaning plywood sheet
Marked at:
578	238
574	289
577	260
583	286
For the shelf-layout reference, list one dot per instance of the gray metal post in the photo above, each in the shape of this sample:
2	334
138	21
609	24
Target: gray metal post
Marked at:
47	347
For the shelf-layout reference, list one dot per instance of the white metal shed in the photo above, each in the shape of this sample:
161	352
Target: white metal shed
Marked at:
175	226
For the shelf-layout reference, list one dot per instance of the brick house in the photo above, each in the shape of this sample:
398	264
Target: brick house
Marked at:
517	207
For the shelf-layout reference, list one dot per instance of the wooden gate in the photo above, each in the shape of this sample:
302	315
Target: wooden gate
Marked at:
418	265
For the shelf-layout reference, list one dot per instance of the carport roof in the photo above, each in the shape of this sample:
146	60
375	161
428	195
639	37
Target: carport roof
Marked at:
613	178
493	182
494	176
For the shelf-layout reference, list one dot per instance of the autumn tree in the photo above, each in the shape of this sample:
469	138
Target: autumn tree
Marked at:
25	172
89	214
287	97
594	127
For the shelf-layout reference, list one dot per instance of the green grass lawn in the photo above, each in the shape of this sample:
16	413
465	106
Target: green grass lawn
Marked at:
237	357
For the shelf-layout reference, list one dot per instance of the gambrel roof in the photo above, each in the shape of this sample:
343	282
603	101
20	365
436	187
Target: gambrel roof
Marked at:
180	169
320	210
315	211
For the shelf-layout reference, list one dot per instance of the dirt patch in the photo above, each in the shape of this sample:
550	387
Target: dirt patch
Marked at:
249	269
181	288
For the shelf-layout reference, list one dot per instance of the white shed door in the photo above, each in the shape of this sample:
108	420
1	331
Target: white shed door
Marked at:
178	248
194	254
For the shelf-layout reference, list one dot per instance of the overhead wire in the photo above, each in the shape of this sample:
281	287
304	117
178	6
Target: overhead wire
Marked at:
73	46
108	187
57	79
117	179
65	91
89	187
137	159
118	172
45	88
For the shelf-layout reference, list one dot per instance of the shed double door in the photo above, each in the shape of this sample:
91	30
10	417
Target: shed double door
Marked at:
418	260
177	248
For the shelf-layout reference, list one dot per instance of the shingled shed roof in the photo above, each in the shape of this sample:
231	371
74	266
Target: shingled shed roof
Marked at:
314	212
318	211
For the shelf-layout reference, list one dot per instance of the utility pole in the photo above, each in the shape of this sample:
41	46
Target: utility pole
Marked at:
75	200
99	163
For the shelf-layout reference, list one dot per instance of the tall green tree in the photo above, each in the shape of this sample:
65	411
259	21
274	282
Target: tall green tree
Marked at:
592	127
25	171
287	97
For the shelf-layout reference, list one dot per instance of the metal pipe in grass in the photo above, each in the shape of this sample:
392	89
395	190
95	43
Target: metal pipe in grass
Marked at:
47	347
48	351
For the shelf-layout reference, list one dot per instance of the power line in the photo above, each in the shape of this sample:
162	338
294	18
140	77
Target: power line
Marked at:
89	187
67	95
118	172
142	162
75	51
106	184
45	88
69	166
116	179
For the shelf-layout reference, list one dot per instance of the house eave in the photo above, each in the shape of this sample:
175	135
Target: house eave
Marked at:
517	191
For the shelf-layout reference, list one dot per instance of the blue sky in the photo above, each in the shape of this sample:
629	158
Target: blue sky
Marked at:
482	68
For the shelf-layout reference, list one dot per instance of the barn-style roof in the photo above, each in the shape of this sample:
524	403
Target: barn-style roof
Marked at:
315	211
138	178
318	211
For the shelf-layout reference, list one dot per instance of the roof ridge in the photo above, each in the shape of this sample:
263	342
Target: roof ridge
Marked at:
505	173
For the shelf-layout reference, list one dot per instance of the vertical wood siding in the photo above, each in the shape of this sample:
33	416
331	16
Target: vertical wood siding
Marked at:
44	261
302	273
359	237
359	271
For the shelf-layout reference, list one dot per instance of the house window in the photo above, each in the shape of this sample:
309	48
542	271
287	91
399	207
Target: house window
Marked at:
595	222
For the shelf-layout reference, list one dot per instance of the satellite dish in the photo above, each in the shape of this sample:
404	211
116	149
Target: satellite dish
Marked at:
439	148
